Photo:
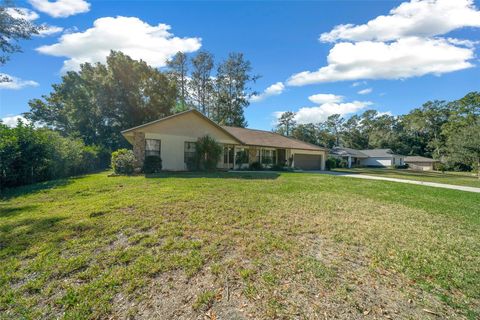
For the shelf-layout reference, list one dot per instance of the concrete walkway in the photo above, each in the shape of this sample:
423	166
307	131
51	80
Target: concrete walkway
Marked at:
423	183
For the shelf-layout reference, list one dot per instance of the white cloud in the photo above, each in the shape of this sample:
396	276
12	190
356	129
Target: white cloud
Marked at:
359	83
405	43
422	18
12	121
407	57
15	83
365	91
273	90
132	36
49	30
22	13
61	8
29	15
322	112
322	98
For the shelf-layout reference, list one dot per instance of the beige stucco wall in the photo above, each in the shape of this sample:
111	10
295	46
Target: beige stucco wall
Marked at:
175	131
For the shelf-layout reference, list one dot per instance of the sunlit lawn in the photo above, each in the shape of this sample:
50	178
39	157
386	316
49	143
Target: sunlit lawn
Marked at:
263	245
455	178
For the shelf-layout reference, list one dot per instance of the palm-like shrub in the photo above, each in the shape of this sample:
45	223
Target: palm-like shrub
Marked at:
207	152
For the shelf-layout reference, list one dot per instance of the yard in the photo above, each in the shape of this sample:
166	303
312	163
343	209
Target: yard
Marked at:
238	246
455	178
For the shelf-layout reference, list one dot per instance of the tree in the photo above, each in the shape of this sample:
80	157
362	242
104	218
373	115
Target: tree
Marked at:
464	146
99	101
334	124
286	123
13	27
201	83
178	71
232	91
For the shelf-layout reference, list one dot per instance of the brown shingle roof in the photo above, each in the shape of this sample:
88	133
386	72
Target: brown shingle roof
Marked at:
419	159
262	138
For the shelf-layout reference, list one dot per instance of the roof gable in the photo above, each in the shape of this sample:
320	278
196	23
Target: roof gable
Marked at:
189	123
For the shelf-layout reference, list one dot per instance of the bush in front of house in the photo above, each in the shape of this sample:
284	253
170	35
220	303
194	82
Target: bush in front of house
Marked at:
123	161
152	164
331	163
207	153
402	166
256	166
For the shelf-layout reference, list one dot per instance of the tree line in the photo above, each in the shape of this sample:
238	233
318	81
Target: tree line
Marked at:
444	130
89	108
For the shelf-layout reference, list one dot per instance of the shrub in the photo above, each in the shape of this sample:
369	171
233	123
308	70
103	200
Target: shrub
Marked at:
152	164
403	166
207	153
331	163
256	166
123	161
29	155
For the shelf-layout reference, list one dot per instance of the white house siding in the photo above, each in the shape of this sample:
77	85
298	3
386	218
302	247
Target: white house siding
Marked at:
376	162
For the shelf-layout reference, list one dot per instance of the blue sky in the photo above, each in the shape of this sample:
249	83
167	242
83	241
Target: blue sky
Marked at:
317	64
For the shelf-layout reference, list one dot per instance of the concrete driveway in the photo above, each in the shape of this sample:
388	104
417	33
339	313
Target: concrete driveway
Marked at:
423	183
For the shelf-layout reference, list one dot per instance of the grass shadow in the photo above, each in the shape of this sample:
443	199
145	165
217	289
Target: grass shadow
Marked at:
6	212
260	175
12	243
15	192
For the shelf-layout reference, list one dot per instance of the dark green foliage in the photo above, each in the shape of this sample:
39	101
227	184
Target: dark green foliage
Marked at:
29	155
207	153
331	163
100	100
403	166
241	157
256	166
123	161
152	164
232	91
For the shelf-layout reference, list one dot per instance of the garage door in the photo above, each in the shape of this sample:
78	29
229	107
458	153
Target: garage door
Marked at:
307	161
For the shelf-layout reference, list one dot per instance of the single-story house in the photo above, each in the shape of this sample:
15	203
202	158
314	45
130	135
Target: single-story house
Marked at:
420	163
368	158
173	139
351	156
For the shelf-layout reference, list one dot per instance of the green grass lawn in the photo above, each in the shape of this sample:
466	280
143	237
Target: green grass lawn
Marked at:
455	178
238	246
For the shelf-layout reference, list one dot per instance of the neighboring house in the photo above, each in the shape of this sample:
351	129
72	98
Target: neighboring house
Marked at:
173	139
351	156
381	158
420	163
368	158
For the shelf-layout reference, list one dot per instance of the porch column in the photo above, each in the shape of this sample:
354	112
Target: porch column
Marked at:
139	148
349	161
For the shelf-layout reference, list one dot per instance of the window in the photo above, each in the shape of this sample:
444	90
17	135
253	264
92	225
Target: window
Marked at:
152	147
189	152
268	156
228	155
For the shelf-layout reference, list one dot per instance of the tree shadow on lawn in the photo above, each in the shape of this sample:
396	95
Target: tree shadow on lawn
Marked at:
32	231
11	211
260	175
15	192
